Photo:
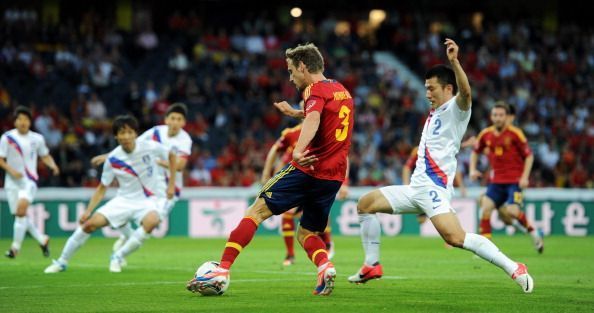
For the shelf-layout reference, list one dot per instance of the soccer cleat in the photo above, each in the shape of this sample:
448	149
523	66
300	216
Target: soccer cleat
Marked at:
195	283
55	267
367	273
11	253
45	247
326	279
539	241
115	264
289	260
522	278
119	243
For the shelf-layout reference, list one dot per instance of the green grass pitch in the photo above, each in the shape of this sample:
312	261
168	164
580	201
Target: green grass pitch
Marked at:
421	275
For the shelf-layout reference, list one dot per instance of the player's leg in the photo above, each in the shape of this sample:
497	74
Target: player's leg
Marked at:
18	208
389	200
316	210
288	232
125	233
76	240
494	197
150	220
520	222
446	223
327	238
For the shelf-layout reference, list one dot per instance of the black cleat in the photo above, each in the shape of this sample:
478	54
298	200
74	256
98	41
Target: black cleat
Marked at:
11	253
45	248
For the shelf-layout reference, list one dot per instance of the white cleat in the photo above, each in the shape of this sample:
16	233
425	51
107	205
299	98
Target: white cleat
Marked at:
119	243
115	265
522	278
539	241
55	267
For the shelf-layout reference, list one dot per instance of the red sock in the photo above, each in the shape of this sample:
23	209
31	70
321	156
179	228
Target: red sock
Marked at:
239	238
522	219
327	237
288	228
485	227
316	250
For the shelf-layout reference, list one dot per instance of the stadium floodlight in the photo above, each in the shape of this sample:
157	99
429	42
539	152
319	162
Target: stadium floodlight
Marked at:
296	12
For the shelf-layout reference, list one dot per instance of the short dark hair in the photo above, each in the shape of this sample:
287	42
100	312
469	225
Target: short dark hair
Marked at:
502	105
177	107
309	54
23	110
445	76
512	109
123	121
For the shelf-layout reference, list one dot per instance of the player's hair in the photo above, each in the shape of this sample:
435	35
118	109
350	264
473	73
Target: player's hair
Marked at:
23	110
502	105
445	76
309	54
123	121
177	107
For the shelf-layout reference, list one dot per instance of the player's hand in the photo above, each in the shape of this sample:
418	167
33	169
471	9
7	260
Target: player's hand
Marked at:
523	183
170	191
474	174
56	170
303	159
16	175
451	49
84	217
287	109
98	160
343	192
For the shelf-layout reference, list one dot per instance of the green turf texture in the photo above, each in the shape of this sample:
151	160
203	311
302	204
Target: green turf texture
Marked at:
421	275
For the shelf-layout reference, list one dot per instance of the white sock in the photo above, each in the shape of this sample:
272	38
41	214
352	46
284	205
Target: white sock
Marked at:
370	237
78	238
35	233
19	231
133	243
487	250
126	230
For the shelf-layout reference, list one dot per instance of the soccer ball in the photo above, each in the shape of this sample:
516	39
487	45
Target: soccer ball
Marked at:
214	286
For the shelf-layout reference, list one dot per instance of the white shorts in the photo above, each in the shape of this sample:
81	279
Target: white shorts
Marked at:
431	200
13	195
119	211
165	205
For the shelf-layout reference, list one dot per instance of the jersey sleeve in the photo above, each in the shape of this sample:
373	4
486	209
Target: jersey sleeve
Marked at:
42	149
313	99
185	149
458	113
147	135
3	146
522	143
107	175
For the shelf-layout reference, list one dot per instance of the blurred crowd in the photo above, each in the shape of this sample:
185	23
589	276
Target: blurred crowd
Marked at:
78	74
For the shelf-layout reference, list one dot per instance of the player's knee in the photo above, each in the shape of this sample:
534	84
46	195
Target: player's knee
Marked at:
88	227
455	240
150	222
365	204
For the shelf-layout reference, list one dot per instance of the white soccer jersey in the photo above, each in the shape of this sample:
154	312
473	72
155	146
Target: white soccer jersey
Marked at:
21	152
440	142
136	172
180	144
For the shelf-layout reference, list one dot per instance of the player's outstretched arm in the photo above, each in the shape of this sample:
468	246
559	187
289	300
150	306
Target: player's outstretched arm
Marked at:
311	123
288	110
172	173
464	93
269	163
95	199
49	161
524	179
98	160
473	172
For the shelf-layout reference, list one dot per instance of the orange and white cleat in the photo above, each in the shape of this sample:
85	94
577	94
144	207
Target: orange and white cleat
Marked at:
522	278
326	277
367	273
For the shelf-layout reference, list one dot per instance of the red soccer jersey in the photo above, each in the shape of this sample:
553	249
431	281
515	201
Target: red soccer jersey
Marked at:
332	141
506	152
287	141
